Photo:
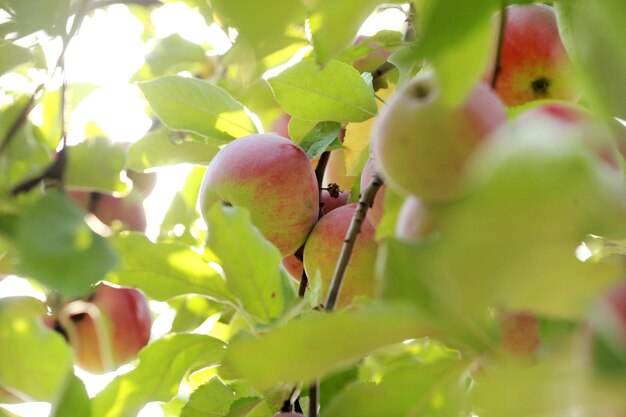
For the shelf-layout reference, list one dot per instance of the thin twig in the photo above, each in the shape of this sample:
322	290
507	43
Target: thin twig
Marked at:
314	400
366	201
498	65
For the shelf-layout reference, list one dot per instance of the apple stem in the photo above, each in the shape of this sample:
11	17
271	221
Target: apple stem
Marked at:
497	65
366	201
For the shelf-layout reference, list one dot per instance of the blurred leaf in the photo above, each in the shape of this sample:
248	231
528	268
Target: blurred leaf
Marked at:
333	385
12	55
334	24
212	399
336	93
27	347
298	129
183	211
250	407
417	390
320	138
165	270
250	262
392	203
157	149
192	311
257	23
597	53
74	400
28	16
315	337
193	105
58	248
384	39
162	366
96	164
173	54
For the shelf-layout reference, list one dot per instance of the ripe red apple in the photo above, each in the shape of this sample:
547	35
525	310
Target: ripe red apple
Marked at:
271	177
533	63
103	343
374	213
128	211
414	221
421	145
331	201
323	247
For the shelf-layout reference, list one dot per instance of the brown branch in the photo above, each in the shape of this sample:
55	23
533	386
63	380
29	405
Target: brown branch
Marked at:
321	168
314	401
366	201
19	121
498	65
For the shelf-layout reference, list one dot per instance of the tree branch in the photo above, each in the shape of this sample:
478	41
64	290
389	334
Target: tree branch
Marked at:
497	65
366	201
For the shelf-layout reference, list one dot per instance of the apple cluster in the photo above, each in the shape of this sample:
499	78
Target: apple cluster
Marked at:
420	146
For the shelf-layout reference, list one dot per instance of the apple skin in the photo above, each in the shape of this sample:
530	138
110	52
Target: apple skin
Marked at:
336	172
271	177
126	317
421	145
519	333
534	64
108	209
376	211
415	221
281	125
322	249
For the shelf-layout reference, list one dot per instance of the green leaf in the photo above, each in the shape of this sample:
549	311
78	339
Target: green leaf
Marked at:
414	390
27	347
334	24
12	55
319	138
172	54
162	366
96	164
73	401
597	54
58	248
165	270
192	311
158	149
212	399
193	105
315	337
250	262
28	16
257	23
336	93
384	39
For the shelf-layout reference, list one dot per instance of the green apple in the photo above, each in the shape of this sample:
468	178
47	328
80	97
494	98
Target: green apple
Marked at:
322	249
271	177
421	144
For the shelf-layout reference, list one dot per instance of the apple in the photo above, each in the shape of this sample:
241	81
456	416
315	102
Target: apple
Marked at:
599	137
271	177
608	328
421	145
332	199
124	317
375	212
281	125
322	249
414	221
336	172
372	60
128	211
533	62
519	333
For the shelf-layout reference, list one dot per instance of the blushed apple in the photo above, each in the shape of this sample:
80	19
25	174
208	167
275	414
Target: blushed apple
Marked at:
271	177
421	144
120	331
414	221
533	63
323	247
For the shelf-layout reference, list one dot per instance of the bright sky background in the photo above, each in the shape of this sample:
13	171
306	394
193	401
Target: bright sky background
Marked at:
107	52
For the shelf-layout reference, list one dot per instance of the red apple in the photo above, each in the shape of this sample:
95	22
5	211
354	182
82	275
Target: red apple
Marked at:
331	201
128	211
323	247
533	63
271	177
113	335
374	213
421	144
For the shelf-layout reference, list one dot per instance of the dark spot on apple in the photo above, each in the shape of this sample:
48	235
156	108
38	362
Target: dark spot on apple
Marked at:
419	90
273	294
540	87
